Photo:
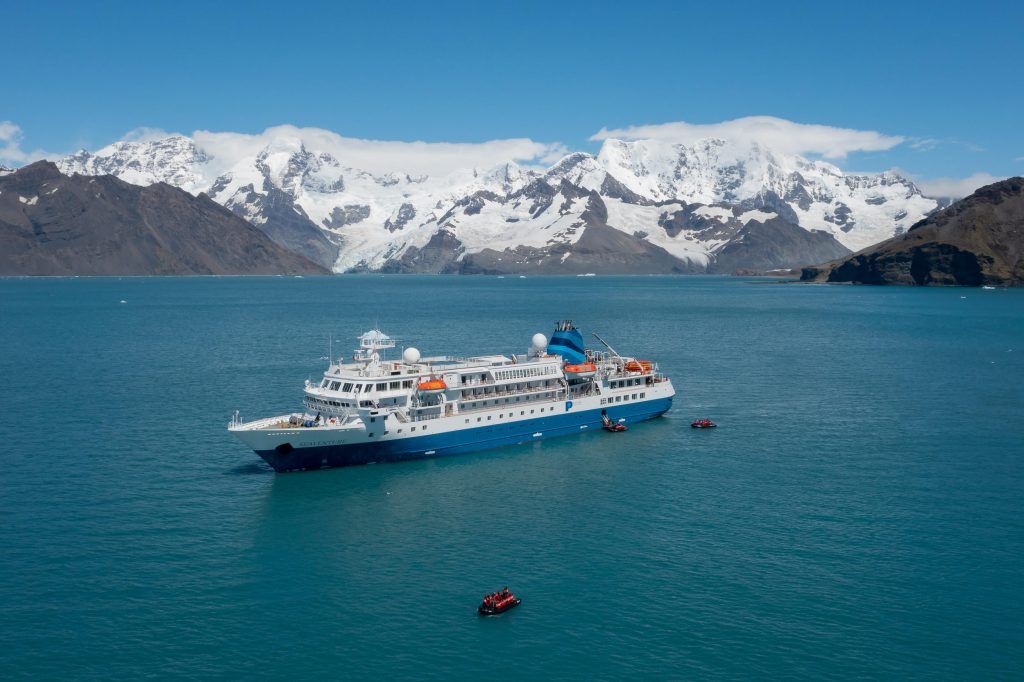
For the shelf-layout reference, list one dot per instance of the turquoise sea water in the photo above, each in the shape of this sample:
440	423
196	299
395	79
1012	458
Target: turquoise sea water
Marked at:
860	512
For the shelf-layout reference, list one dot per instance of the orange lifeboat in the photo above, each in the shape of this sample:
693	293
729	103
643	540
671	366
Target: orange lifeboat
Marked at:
580	371
432	387
644	366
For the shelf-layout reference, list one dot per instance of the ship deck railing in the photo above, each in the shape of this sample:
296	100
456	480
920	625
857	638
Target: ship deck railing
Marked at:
267	422
281	421
557	388
443	363
558	394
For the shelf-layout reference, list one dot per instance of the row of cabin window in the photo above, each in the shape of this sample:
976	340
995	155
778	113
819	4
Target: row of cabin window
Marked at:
521	372
471	393
386	432
503	401
620	398
622	383
331	403
468	394
383	386
522	413
337	403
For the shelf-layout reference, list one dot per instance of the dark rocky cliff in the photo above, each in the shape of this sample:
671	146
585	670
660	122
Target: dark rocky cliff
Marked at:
775	244
54	224
976	241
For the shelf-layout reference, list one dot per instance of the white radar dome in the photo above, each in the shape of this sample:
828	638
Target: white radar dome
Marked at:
540	341
411	356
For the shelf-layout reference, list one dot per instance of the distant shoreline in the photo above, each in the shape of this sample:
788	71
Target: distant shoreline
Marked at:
405	274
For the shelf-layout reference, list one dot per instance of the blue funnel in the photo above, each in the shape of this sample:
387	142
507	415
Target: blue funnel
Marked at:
567	342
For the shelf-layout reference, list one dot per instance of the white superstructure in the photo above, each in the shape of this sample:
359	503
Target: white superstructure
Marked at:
390	404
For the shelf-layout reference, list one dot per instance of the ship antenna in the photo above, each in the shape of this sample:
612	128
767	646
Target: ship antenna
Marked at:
330	348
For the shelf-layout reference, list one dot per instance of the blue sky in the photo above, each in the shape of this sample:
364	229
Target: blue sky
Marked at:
945	78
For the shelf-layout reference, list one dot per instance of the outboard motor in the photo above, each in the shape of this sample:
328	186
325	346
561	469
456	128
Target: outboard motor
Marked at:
567	341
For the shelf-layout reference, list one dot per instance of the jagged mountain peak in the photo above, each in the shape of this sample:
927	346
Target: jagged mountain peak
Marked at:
174	159
288	165
573	162
579	169
506	177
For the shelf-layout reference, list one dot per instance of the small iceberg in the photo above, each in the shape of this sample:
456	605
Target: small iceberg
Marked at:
123	301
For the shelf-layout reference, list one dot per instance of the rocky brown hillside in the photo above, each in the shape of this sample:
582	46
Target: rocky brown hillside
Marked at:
775	244
54	224
976	241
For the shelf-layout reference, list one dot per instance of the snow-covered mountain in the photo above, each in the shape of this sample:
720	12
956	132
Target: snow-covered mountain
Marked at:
637	206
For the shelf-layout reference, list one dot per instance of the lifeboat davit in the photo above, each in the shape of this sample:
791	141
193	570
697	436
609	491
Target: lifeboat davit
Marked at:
644	366
432	387
584	370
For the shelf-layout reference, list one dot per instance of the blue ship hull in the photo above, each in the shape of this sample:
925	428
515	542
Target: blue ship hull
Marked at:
460	441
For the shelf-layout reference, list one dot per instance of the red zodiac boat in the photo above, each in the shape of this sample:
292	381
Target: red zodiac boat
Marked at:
608	425
498	602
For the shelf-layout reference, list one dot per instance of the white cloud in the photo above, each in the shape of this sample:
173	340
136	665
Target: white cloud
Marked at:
379	156
555	153
145	134
777	133
924	144
9	131
10	145
955	187
927	144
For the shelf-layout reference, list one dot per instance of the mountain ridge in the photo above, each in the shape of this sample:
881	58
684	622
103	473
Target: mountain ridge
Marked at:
687	200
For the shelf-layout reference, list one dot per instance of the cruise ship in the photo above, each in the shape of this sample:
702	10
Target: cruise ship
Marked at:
376	409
